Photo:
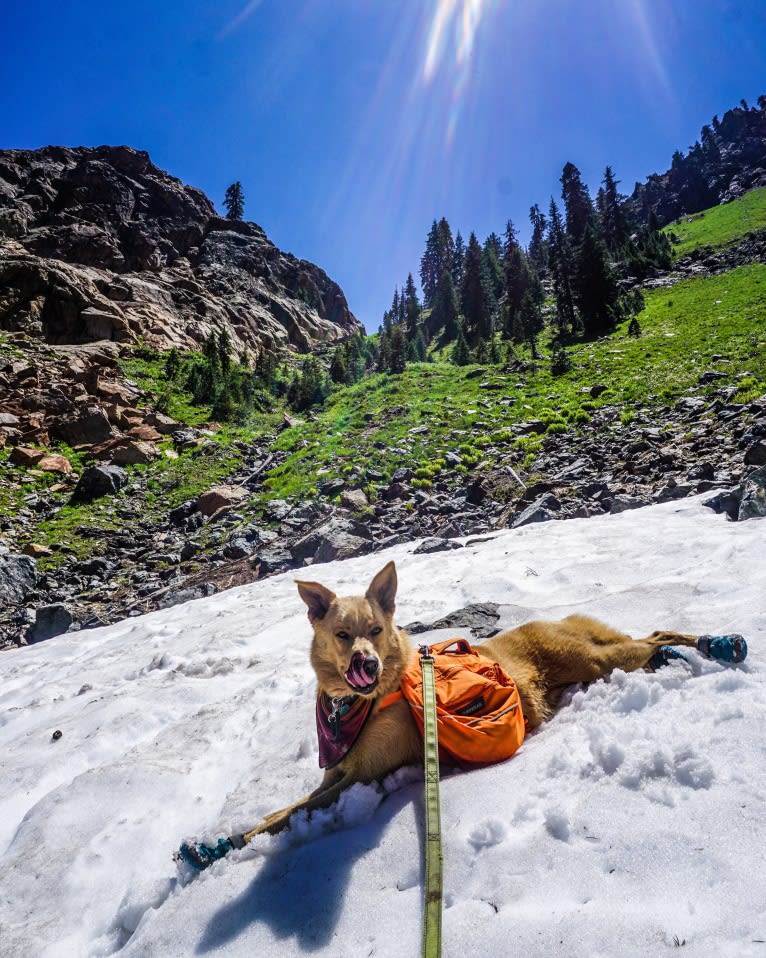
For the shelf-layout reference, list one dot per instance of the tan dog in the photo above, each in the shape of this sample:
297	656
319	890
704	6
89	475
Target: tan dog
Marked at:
358	651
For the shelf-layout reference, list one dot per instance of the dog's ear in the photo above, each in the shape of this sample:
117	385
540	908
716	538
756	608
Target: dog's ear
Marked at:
383	588
316	597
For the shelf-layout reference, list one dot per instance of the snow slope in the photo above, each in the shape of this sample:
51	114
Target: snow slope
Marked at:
635	817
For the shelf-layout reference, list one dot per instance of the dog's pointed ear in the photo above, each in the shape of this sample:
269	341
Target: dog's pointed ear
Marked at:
383	588
316	597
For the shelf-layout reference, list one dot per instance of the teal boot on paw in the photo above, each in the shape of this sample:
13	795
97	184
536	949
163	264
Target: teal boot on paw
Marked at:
724	648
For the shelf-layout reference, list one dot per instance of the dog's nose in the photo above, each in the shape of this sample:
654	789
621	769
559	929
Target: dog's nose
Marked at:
371	665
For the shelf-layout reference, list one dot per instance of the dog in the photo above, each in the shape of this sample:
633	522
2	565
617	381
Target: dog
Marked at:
359	655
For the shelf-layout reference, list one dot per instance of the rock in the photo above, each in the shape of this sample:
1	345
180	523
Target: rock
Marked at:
480	617
623	502
595	391
701	471
271	559
673	491
50	620
97	481
331	487
179	515
186	594
726	502
541	510
18	577
220	497
339	538
8	419
752	495
132	453
55	463
25	456
237	548
354	499
755	454
36	550
89	428
428	546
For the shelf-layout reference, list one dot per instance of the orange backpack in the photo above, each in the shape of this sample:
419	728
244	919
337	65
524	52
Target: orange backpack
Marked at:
478	709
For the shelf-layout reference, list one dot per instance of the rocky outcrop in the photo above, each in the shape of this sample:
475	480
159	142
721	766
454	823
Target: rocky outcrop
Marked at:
100	244
727	161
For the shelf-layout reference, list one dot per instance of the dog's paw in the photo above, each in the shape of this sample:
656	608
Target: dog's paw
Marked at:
723	648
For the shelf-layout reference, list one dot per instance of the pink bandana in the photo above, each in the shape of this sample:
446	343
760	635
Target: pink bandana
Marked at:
339	724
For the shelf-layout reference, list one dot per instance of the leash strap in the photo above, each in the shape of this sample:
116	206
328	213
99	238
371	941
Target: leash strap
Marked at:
432	917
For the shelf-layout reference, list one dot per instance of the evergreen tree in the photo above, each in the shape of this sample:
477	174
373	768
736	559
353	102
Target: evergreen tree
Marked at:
492	255
561	266
517	280
438	256
614	222
411	308
537	253
460	354
444	315
383	361
338	366
457	261
597	291
475	294
577	203
398	354
234	201
530	323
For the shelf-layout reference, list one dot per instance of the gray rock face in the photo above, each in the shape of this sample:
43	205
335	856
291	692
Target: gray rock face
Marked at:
50	620
541	510
102	244
18	577
480	617
752	490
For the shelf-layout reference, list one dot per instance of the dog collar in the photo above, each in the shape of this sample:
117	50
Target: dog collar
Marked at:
340	722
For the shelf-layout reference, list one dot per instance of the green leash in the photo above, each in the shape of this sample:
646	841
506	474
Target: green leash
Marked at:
432	916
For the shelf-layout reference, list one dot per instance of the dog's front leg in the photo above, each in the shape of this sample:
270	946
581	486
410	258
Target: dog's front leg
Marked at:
333	783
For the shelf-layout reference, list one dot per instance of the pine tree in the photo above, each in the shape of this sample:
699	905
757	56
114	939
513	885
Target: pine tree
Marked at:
444	315
475	294
460	354
439	254
457	261
537	252
577	203
561	265
234	201
411	308
492	254
338	367
614	222
530	323
517	280
597	291
398	354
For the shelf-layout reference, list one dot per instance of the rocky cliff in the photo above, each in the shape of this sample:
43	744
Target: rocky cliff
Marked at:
100	244
727	160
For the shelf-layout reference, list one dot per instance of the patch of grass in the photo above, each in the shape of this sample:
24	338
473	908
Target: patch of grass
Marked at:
721	225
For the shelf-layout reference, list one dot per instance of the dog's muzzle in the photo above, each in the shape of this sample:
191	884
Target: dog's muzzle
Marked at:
362	673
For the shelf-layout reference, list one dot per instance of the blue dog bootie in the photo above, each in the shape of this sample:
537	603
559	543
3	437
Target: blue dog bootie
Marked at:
725	648
201	856
664	656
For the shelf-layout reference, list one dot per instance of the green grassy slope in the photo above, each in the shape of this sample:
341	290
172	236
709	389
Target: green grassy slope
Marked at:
683	328
721	225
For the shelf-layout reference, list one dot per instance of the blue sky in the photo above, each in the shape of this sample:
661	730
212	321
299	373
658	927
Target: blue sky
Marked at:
352	124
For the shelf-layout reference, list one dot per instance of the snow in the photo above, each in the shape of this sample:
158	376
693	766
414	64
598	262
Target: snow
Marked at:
633	818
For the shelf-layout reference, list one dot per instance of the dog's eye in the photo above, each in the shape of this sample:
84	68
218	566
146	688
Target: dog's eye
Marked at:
343	635
376	631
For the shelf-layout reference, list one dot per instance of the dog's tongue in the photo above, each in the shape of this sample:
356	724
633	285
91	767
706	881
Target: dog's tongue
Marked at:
356	677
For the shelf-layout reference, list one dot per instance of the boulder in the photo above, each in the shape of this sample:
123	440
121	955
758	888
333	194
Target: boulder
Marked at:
220	497
88	428
541	510
18	577
50	620
97	481
55	463
755	454
25	456
752	495
623	502
354	499
480	617
339	538
130	452
435	544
